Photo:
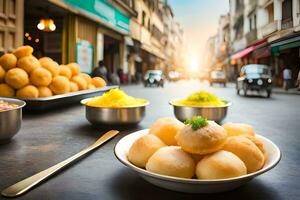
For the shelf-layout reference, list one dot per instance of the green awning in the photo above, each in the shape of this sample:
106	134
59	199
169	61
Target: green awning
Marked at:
286	44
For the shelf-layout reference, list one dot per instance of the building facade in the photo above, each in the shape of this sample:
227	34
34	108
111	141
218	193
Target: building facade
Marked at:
265	32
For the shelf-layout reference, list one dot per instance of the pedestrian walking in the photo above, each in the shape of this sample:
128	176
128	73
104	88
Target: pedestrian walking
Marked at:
287	78
100	71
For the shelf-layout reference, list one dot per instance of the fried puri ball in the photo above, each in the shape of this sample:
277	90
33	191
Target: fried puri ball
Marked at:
60	85
52	67
98	82
91	86
166	129
65	71
40	77
73	86
16	78
45	59
235	129
8	61
143	148
44	91
75	68
29	91
204	140
6	90
171	161
2	74
220	165
28	63
256	141
80	81
23	51
247	151
87	78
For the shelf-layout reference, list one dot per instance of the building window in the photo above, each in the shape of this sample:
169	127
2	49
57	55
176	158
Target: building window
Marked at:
149	25
270	9
239	4
252	21
143	18
287	14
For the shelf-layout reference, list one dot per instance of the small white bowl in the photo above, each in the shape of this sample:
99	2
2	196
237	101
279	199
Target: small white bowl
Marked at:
272	154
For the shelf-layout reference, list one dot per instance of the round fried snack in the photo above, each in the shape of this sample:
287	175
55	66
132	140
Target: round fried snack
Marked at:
52	67
28	63
6	90
204	140
44	91
2	74
87	78
247	151
45	59
143	148
40	77
171	161
65	71
220	165
75	68
80	81
8	61
235	129
29	91
256	141
16	78
91	86
60	85
73	86
23	51
166	129
98	82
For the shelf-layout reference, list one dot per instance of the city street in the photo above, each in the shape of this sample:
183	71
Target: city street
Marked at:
101	175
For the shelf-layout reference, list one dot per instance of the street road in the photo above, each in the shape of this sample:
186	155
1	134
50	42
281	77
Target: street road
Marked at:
47	138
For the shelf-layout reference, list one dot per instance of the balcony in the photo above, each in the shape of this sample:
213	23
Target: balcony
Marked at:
269	28
286	23
251	36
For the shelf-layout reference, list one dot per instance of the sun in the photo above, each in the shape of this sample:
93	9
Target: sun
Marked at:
193	63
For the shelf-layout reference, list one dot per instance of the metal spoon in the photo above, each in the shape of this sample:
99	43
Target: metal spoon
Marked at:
28	183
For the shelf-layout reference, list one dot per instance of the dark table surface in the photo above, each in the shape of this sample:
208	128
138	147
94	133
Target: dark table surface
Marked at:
48	138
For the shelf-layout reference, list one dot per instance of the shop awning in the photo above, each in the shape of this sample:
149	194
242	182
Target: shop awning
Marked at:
261	51
243	53
285	44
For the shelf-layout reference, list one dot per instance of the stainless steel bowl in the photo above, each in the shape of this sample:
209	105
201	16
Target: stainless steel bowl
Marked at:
215	113
114	116
10	120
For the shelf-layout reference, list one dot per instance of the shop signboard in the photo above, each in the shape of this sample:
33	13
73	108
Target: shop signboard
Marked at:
104	10
84	56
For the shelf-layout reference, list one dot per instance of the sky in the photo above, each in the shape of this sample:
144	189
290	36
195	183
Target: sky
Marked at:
199	19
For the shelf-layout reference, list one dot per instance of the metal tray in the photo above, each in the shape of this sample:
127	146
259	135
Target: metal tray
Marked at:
46	103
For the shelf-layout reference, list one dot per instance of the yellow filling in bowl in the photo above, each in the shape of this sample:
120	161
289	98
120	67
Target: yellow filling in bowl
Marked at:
115	98
201	98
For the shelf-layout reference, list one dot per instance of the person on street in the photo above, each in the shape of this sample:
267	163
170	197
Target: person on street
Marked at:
100	71
287	78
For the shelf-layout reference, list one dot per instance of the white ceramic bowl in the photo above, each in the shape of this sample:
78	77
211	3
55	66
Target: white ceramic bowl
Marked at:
272	154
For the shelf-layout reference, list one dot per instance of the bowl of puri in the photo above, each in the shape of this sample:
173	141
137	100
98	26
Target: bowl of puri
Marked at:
115	107
201	103
198	156
10	118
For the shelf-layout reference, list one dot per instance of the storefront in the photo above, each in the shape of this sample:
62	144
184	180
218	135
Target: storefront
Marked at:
43	28
71	31
286	54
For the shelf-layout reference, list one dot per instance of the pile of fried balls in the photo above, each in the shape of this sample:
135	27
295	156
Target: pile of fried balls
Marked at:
23	75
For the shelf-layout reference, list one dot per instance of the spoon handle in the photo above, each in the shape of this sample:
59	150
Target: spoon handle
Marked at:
28	183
